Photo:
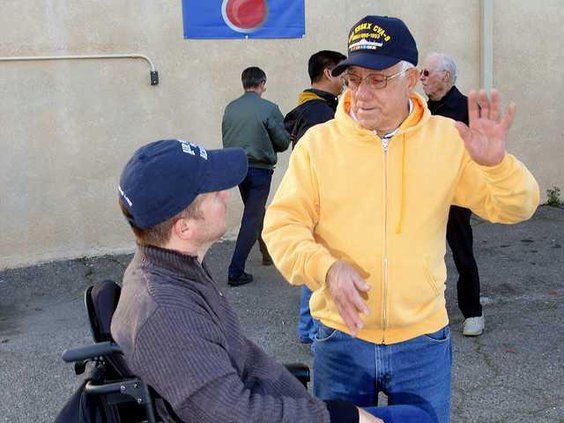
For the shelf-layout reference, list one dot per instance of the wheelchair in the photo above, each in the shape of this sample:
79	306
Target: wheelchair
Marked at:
110	392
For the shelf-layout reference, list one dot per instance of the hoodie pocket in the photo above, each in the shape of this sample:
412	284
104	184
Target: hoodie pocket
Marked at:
414	294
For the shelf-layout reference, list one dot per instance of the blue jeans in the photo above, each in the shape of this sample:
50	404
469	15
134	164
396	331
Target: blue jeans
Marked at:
307	325
415	372
254	192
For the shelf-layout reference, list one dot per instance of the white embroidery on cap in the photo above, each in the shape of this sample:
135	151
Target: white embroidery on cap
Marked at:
203	152
124	195
189	147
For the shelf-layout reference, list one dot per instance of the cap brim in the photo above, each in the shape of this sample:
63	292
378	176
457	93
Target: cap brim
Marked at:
225	169
365	60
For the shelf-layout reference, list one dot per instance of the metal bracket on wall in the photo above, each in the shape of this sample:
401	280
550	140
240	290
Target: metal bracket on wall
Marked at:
154	73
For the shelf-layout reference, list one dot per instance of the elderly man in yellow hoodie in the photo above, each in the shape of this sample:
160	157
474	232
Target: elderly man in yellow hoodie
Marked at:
360	217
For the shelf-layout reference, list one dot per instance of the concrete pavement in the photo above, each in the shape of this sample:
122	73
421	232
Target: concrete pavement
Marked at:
513	373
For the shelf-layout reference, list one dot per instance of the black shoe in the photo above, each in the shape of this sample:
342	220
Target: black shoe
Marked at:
267	260
242	279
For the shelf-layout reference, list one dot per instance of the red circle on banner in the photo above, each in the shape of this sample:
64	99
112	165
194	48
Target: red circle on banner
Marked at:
244	15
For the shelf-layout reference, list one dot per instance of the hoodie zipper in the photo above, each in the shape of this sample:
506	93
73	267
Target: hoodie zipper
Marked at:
385	145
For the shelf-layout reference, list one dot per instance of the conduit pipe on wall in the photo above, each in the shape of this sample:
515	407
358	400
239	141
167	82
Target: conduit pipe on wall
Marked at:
486	69
154	73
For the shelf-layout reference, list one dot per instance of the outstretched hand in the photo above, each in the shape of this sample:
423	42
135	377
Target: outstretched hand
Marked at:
346	286
484	137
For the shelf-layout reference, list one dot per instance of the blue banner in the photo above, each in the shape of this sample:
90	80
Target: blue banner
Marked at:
243	18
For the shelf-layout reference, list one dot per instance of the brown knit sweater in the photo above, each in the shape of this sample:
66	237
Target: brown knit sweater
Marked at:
180	335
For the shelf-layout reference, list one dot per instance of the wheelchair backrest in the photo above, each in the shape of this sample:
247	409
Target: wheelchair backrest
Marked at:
101	300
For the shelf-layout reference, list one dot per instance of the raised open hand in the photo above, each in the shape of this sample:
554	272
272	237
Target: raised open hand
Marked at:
484	137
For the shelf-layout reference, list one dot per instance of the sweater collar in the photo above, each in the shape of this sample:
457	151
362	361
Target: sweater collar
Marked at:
450	99
172	261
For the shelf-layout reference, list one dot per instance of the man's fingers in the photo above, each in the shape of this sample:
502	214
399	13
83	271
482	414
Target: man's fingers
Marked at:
463	130
358	302
350	306
508	118
346	287
351	319
485	104
473	112
494	106
365	417
361	285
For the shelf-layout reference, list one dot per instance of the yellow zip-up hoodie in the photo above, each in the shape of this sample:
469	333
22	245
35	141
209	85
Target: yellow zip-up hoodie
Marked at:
344	197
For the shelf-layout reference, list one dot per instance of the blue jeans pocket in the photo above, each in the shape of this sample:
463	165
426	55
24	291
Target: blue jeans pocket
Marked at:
442	335
324	333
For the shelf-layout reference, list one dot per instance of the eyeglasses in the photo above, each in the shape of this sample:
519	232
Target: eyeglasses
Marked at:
374	81
427	72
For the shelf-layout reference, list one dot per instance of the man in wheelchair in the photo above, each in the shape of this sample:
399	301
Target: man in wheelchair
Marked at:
176	329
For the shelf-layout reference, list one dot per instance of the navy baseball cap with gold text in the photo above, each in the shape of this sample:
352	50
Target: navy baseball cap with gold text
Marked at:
378	42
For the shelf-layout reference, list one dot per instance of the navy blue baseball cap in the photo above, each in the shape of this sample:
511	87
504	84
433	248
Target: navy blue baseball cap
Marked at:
163	178
378	42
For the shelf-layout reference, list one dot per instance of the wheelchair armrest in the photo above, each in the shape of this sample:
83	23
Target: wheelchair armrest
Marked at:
90	351
299	371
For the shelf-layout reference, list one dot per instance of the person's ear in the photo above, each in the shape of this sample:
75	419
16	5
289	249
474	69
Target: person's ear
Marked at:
446	77
327	73
413	78
183	229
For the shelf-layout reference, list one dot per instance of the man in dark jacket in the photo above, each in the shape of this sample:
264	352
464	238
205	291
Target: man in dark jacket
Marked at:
256	125
438	77
318	103
315	105
174	325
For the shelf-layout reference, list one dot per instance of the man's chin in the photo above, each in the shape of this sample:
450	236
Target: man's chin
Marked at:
367	123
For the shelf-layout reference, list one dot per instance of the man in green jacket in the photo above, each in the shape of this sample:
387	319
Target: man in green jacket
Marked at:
256	125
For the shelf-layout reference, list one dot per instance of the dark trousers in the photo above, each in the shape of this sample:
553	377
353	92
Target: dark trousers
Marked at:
460	239
254	192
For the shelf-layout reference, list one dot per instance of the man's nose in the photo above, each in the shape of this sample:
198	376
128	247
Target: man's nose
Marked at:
364	90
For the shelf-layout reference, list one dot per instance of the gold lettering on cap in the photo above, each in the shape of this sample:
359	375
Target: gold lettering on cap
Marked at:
362	27
371	32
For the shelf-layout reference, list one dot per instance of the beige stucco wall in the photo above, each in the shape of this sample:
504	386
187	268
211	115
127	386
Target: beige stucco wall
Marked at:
68	127
528	60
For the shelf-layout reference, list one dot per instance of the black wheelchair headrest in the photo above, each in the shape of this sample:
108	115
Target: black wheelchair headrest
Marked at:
101	301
